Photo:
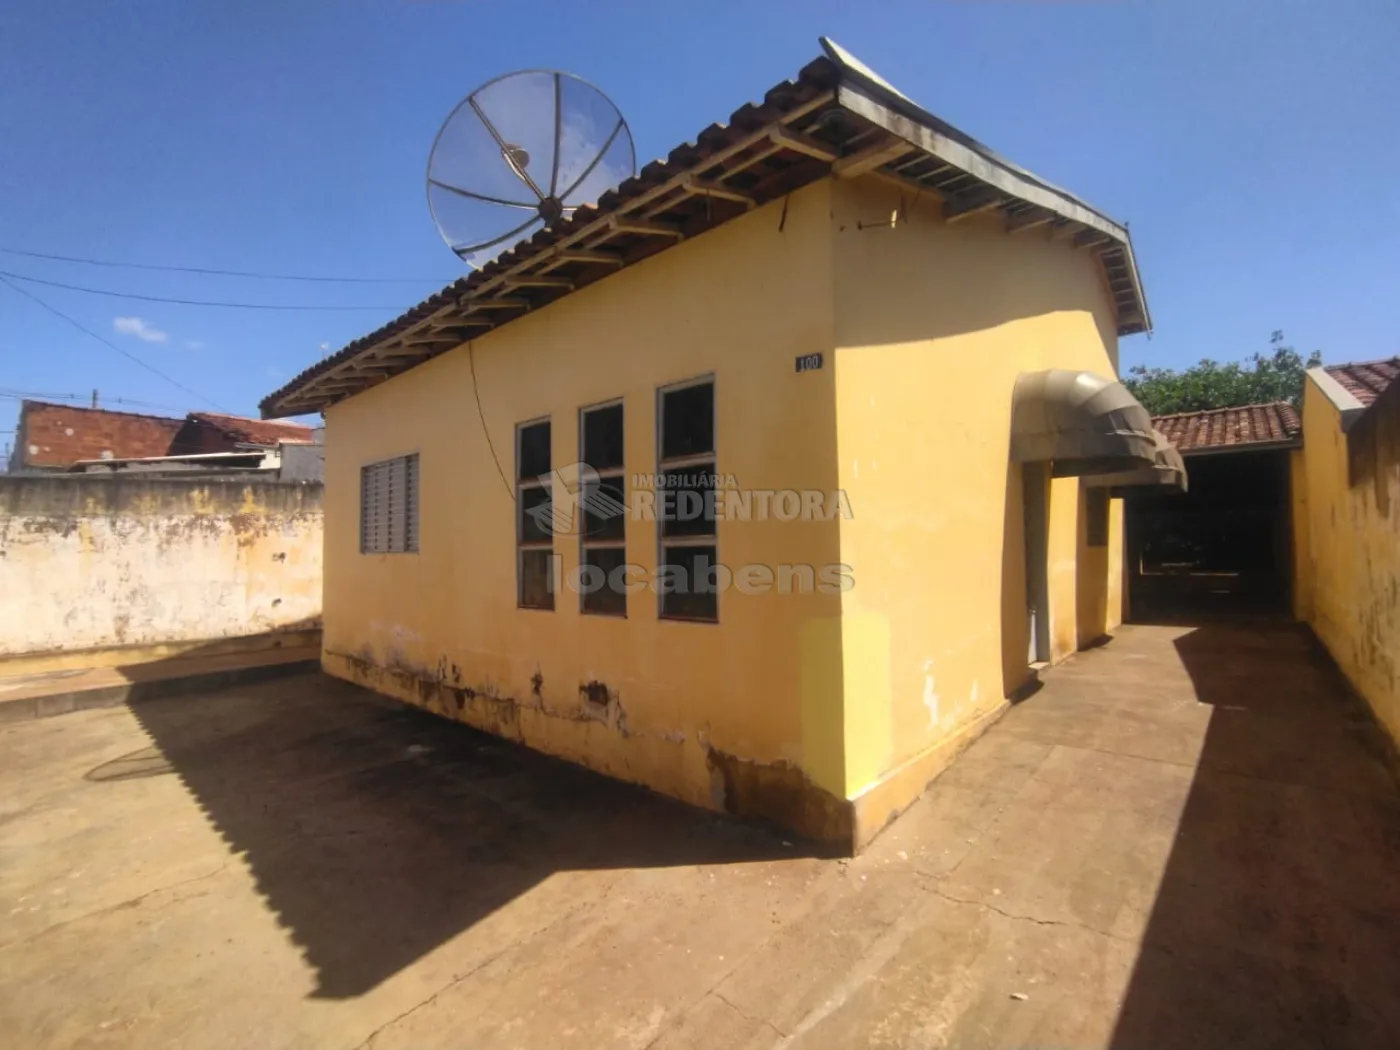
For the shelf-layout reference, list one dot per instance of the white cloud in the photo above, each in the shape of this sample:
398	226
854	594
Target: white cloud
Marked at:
140	329
325	348
195	344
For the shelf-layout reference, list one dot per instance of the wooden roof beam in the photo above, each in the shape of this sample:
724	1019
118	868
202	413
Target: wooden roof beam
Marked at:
579	255
501	302
645	227
706	188
960	206
1028	220
757	157
799	143
526	280
874	156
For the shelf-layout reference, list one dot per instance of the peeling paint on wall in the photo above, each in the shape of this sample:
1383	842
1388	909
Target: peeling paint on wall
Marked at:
1350	568
104	562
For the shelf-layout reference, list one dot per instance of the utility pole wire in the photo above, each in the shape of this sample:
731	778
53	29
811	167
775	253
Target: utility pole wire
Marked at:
39	395
228	273
4	279
181	302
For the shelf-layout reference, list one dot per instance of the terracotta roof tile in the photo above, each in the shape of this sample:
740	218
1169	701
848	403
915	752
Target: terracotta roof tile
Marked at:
1366	380
57	436
256	431
1226	427
763	168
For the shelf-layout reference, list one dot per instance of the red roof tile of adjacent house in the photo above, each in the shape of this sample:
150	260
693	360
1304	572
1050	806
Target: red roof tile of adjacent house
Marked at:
256	431
57	436
1227	427
1366	380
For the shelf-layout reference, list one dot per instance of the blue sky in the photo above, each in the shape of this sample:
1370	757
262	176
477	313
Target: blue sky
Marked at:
1251	146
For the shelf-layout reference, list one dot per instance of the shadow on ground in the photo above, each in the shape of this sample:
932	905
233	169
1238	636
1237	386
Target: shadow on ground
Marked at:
1277	921
377	832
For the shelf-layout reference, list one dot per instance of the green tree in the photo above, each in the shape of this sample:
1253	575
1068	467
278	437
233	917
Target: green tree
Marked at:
1275	376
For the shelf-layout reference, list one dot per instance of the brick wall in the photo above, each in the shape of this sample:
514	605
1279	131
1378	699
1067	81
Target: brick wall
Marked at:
57	436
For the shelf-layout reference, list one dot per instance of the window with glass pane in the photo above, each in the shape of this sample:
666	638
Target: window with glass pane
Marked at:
534	517
686	501
602	519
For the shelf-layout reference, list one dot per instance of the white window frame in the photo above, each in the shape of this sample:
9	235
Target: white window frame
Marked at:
389	518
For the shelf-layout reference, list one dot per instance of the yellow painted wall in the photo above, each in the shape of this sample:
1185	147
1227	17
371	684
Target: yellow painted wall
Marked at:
925	328
764	683
933	324
100	563
1350	575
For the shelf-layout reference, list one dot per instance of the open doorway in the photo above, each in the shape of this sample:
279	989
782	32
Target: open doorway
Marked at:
1035	489
1223	548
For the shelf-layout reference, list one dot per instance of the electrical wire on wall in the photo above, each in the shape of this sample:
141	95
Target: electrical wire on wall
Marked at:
481	415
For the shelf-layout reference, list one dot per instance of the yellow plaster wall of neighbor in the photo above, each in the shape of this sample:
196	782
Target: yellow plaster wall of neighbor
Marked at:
138	567
691	705
934	322
1350	575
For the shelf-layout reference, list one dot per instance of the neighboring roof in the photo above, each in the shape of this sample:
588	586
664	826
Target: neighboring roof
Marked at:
253	457
1365	380
52	436
836	119
256	431
1221	429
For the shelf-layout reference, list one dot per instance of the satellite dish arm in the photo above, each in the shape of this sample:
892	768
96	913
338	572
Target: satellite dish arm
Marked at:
505	149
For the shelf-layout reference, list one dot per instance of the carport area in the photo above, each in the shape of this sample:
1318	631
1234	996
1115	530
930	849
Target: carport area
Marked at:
1225	546
1187	838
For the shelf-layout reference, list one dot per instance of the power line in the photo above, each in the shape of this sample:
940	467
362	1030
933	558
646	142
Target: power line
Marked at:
4	279
181	302
228	273
36	395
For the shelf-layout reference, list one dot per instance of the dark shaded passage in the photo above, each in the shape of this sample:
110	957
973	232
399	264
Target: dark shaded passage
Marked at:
1222	548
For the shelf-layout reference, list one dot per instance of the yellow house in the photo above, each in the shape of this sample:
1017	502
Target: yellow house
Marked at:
1347	526
759	482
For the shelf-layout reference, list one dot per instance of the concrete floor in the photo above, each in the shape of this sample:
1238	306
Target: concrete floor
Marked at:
1187	838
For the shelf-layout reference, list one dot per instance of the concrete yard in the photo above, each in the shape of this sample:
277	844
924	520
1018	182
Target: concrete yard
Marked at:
1187	838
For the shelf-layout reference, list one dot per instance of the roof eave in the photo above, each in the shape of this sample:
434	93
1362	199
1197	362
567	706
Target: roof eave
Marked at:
967	175
885	107
1244	446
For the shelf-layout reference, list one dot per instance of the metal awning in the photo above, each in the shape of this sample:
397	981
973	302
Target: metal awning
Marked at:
1168	472
1081	422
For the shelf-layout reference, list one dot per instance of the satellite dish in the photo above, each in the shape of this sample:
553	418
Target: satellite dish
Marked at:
518	154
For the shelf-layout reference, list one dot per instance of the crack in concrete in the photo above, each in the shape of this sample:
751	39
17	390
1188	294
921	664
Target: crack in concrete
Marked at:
1006	804
368	1041
813	893
1017	917
746	1015
132	902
